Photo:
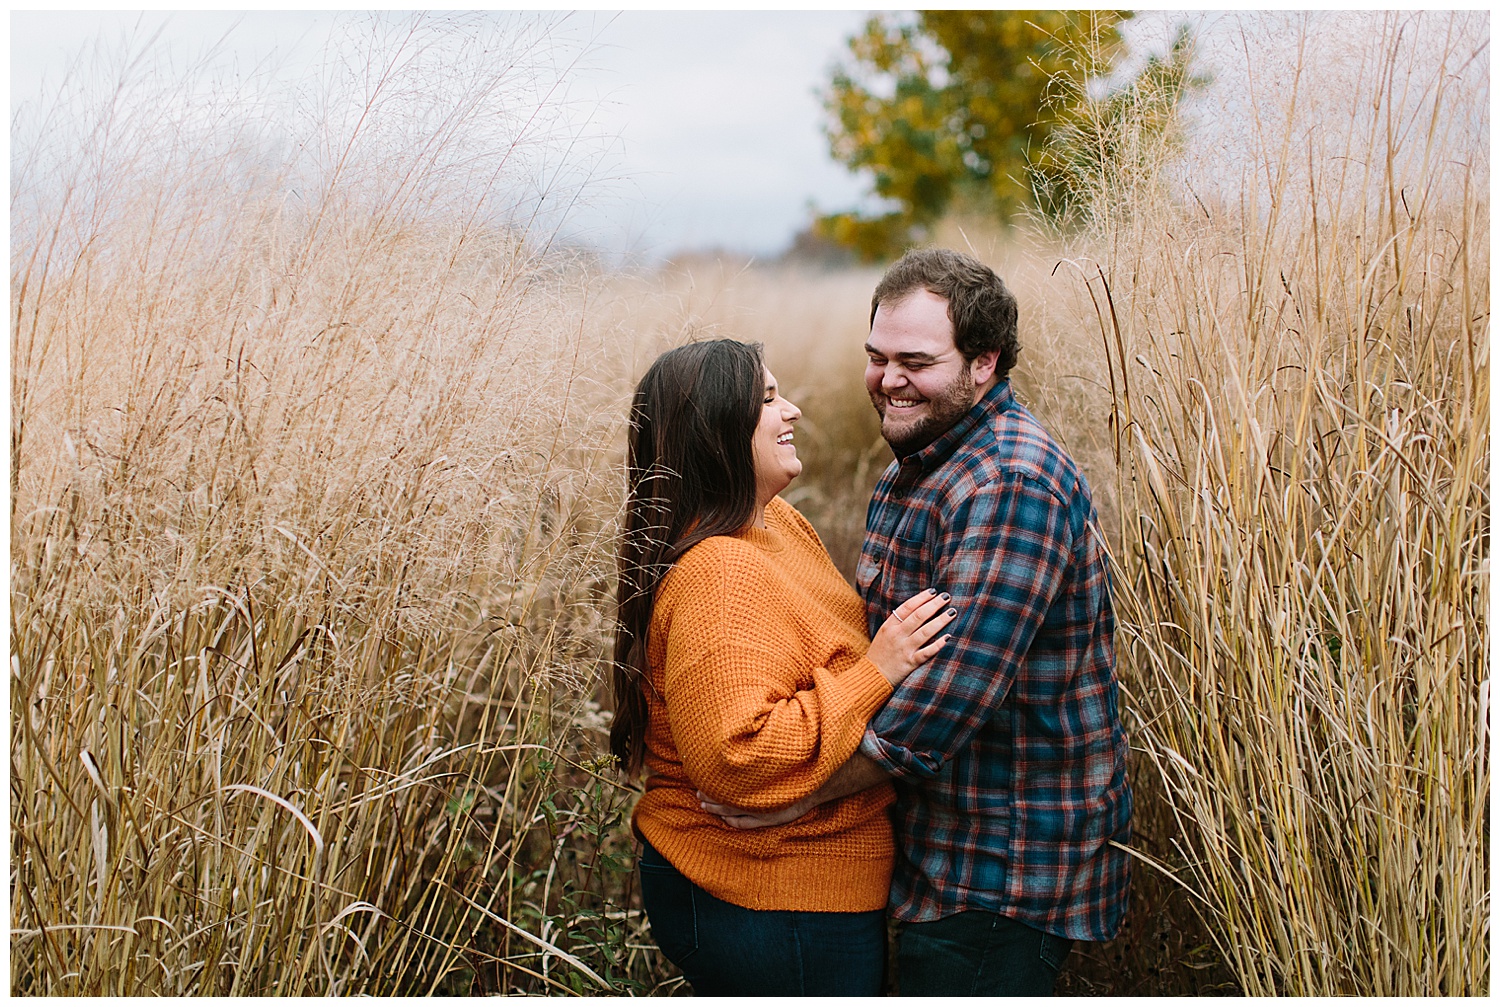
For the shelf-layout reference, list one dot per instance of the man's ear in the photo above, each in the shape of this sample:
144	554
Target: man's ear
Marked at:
982	367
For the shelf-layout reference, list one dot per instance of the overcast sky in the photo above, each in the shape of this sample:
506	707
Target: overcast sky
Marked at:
716	115
713	120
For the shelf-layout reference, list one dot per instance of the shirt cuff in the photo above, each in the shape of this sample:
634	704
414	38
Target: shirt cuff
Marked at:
897	761
877	751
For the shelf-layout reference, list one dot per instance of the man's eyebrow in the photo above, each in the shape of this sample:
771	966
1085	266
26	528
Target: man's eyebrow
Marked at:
914	357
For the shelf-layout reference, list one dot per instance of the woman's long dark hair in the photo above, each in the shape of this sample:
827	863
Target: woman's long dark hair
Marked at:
691	475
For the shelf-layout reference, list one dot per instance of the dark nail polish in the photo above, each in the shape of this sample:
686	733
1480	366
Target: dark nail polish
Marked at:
953	611
946	596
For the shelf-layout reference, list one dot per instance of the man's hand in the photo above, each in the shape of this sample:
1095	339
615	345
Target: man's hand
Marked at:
853	776
740	818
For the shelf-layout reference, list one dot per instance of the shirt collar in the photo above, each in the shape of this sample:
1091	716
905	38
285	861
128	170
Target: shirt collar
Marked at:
995	401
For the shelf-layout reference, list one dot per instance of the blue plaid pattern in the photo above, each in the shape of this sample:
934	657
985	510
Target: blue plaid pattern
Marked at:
1007	749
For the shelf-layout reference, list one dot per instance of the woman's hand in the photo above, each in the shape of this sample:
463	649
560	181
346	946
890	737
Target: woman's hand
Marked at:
906	641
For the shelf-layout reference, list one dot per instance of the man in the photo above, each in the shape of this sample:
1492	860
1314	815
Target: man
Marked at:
1006	749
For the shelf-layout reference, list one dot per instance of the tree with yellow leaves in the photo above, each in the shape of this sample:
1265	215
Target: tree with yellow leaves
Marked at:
954	109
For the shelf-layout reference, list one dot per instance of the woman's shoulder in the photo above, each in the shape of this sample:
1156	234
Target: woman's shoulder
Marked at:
717	559
743	563
789	521
722	581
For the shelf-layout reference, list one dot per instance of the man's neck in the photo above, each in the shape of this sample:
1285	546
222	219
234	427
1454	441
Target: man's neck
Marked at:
980	391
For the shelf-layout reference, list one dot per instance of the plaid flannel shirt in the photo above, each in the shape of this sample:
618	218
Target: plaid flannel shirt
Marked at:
1007	749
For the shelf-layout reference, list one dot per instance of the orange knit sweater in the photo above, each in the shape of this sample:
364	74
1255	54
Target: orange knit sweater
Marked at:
760	690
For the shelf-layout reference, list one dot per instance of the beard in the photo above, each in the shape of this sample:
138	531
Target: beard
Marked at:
944	409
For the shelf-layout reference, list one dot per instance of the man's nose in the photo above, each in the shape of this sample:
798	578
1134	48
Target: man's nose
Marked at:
894	377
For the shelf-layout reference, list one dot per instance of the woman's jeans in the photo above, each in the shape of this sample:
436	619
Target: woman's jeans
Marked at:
727	950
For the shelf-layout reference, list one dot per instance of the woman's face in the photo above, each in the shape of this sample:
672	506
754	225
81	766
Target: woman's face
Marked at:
776	461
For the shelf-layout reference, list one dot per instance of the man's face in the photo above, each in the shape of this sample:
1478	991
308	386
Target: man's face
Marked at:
919	382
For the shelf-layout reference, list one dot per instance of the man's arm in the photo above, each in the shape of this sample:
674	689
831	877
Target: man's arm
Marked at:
1004	556
857	774
1004	552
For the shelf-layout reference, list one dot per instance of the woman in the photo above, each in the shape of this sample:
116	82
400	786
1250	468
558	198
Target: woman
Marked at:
742	669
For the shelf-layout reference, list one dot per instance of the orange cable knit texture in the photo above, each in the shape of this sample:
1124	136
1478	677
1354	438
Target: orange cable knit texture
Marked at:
760	690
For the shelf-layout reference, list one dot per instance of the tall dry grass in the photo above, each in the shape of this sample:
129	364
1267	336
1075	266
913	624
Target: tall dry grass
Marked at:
1299	362
312	500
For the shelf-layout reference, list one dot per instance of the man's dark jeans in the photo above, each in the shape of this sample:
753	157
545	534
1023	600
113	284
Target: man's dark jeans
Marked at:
977	954
727	950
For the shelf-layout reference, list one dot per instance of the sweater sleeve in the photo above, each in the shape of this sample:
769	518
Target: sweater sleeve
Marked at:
746	734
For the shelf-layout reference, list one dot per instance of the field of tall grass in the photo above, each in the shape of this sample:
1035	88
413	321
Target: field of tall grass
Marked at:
313	489
1300	381
316	468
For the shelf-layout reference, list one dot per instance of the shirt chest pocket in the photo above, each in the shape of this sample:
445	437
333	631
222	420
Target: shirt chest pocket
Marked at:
902	565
